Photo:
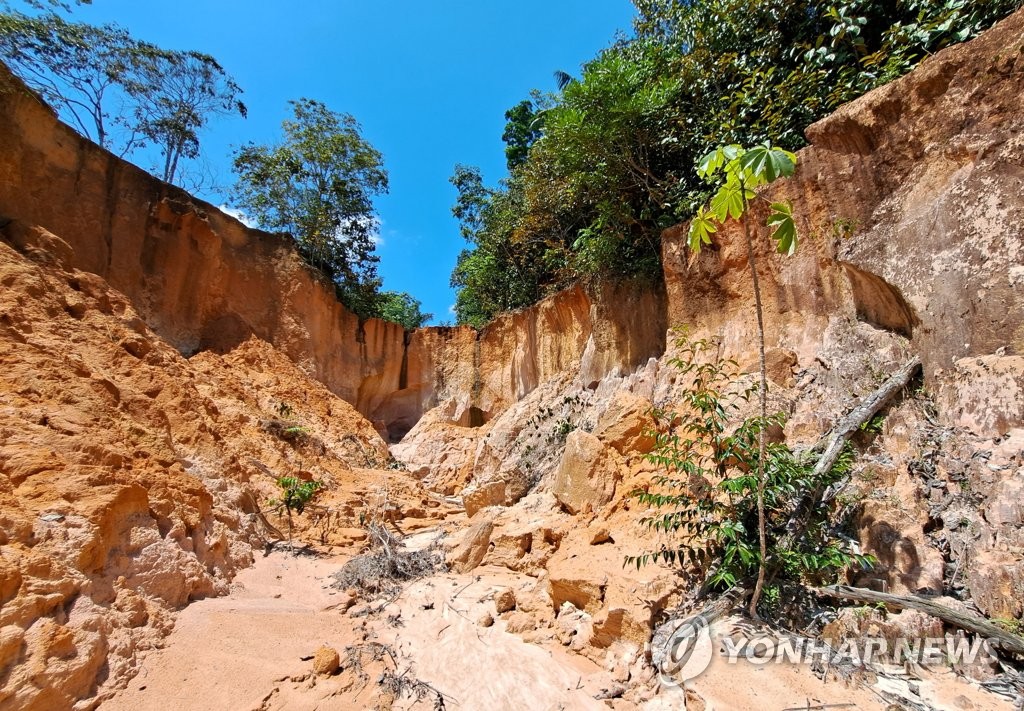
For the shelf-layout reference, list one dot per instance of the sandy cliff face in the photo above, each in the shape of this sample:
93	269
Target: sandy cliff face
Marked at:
148	340
203	281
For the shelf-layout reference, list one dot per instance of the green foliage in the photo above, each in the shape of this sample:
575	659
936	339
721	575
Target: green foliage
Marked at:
591	194
317	184
524	126
295	493
121	92
738	172
706	495
401	308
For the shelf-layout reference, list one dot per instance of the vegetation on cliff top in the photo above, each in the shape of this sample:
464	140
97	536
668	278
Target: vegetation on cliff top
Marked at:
598	171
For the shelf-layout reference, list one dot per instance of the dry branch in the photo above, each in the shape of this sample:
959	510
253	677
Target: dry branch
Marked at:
834	443
867	409
998	636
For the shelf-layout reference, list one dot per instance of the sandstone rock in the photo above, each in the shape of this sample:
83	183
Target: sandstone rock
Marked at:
779	364
473	545
626	423
504	600
984	394
509	547
520	622
586	475
326	661
485	619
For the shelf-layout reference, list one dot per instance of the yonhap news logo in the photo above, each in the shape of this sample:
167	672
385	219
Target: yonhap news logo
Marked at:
684	649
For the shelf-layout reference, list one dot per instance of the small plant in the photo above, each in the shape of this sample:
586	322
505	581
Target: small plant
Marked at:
708	495
561	430
296	493
284	410
874	425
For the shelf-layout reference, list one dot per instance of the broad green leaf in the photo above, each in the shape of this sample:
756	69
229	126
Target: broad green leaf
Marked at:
729	201
781	219
701	229
768	162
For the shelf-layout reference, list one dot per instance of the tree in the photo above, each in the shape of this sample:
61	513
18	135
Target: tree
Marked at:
76	68
524	126
177	93
116	90
317	184
739	172
401	308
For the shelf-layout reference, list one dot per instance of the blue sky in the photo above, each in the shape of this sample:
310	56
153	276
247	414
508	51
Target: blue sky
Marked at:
429	82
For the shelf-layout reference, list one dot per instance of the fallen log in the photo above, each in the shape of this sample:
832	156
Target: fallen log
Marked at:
997	635
834	443
861	414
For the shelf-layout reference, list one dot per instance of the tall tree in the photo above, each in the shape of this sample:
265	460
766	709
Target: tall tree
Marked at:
177	93
317	184
116	90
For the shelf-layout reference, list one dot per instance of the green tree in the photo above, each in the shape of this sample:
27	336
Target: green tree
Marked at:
524	126
176	94
317	184
401	308
507	266
589	196
116	90
739	172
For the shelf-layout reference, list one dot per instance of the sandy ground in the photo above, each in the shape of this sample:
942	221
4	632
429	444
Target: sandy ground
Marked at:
252	650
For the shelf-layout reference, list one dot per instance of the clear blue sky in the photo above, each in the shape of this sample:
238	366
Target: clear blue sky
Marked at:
429	81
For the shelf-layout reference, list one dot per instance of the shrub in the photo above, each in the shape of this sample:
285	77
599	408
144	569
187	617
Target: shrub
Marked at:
706	495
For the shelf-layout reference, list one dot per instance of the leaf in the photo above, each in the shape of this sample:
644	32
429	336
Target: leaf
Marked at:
729	201
767	162
701	229
781	218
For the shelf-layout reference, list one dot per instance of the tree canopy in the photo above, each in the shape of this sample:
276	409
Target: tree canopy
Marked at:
317	184
596	177
119	91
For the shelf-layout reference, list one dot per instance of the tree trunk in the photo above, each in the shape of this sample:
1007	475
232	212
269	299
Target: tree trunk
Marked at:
762	392
998	636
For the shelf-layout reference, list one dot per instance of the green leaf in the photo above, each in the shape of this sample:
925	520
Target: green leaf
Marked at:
766	162
729	201
701	229
784	233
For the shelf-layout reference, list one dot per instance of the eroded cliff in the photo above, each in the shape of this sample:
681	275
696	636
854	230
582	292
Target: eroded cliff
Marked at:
150	342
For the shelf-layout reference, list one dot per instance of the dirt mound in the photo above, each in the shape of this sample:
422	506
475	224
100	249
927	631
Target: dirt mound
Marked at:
133	480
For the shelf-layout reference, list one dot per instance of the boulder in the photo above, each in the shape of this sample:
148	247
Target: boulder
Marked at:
504	600
626	423
586	475
326	661
473	545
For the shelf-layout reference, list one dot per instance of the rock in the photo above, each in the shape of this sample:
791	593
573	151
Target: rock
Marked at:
473	545
520	622
326	661
485	619
779	364
626	423
504	600
586	475
601	535
984	394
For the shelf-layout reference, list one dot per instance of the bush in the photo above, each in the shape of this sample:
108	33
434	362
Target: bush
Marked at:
706	496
